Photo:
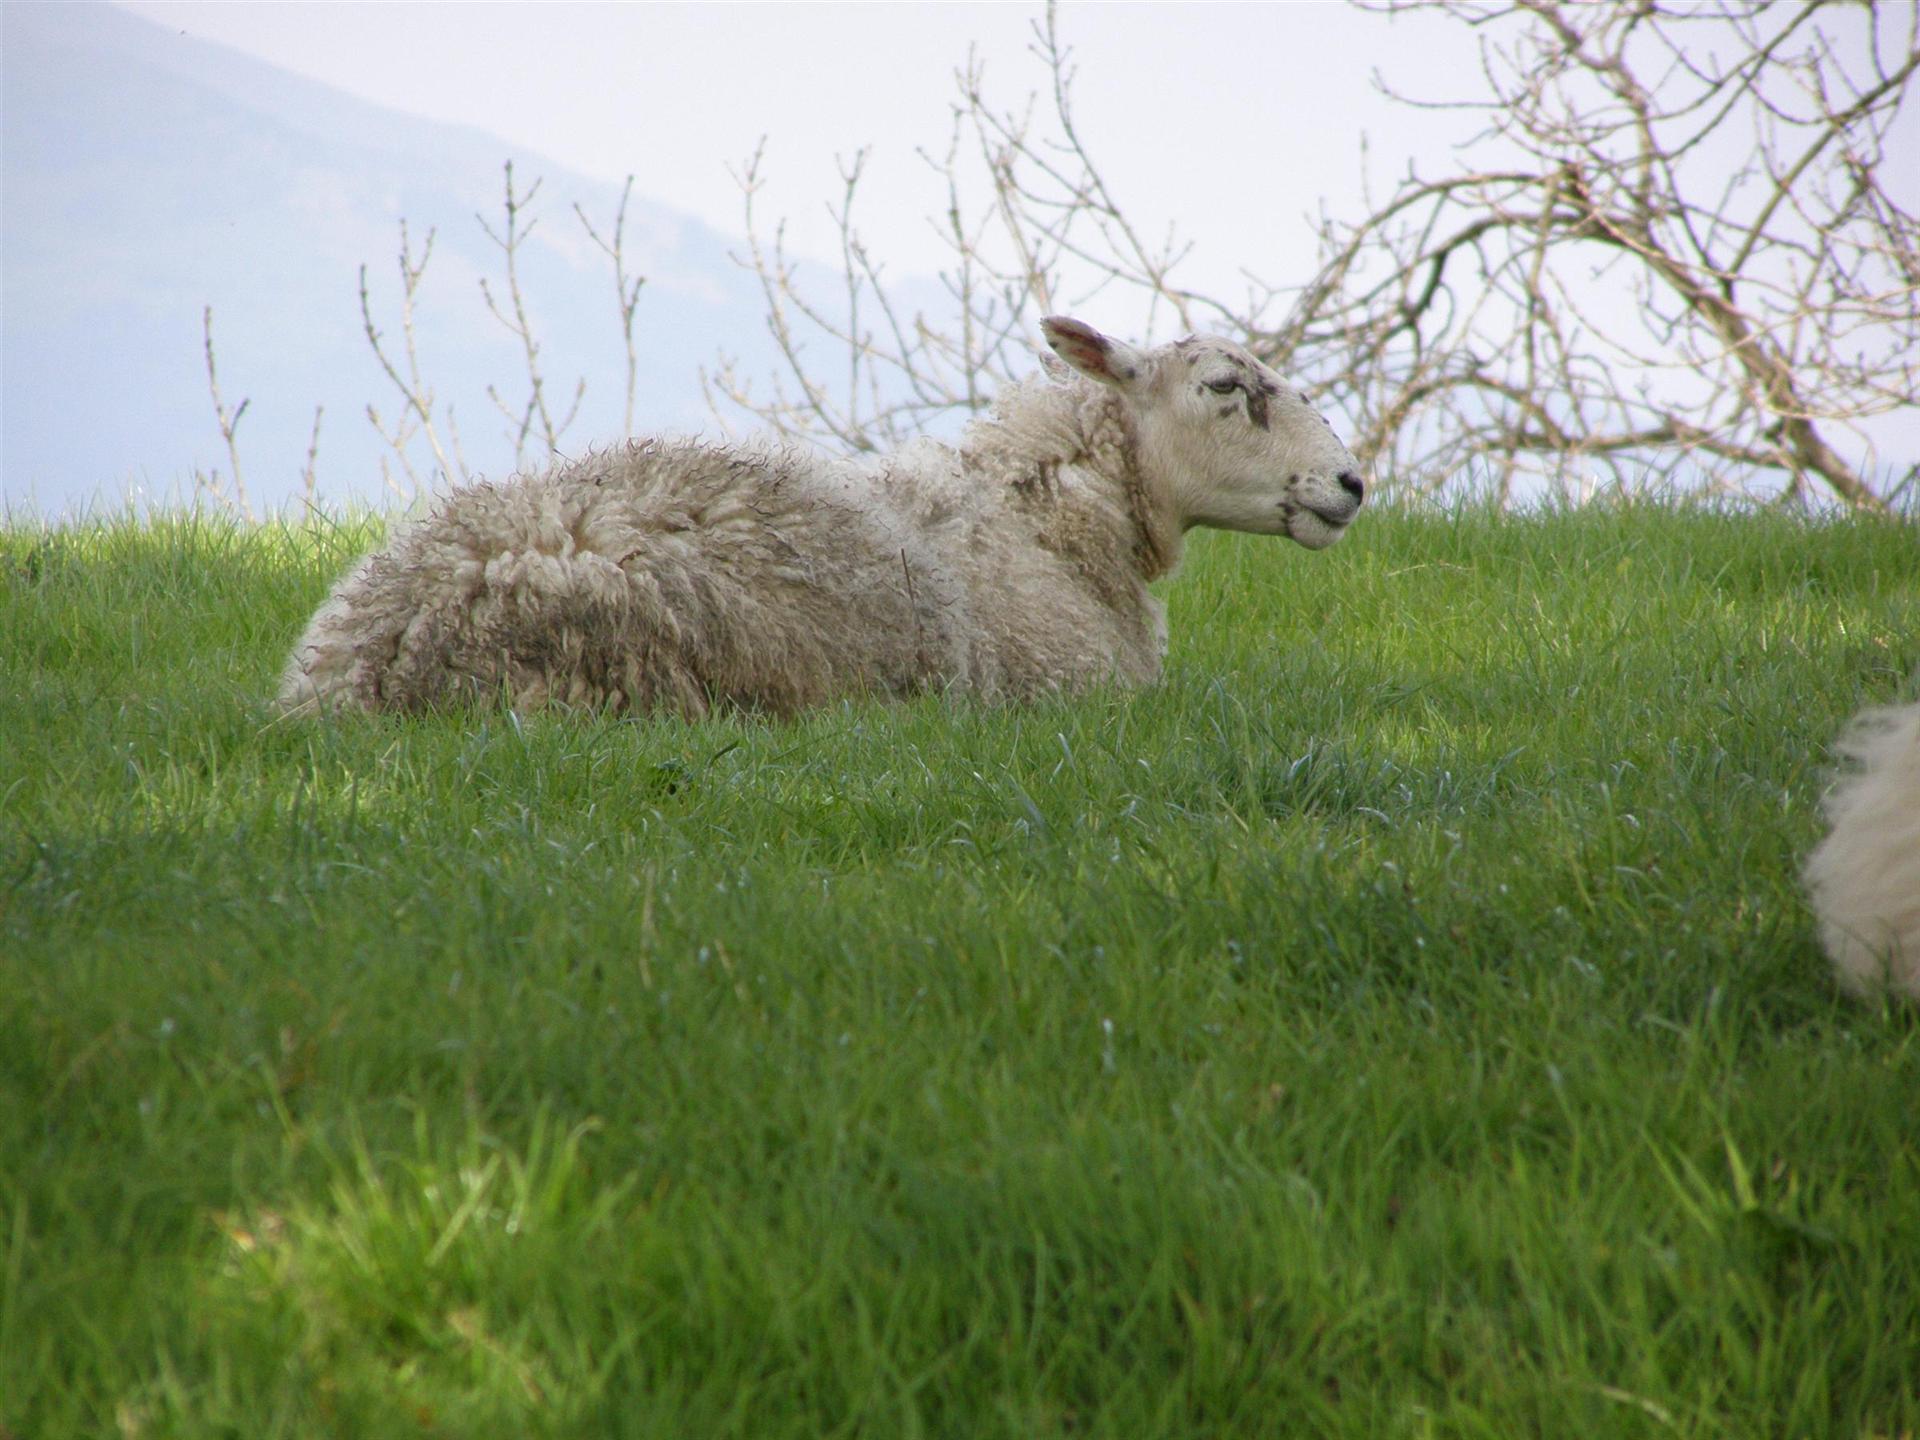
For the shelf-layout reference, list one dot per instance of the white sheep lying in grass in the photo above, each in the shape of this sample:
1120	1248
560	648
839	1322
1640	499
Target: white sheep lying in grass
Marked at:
674	576
1865	876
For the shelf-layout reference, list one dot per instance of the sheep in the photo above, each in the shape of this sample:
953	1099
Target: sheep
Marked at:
677	575
1864	877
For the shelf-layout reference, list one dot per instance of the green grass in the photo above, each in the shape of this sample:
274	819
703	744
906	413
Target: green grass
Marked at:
1405	1021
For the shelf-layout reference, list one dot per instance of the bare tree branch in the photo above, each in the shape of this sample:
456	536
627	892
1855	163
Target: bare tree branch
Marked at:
1674	256
309	485
1775	294
416	416
626	291
510	239
229	423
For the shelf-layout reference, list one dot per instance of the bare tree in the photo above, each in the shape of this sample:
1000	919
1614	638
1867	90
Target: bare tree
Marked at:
1678	254
1686	262
208	484
802	403
532	424
1050	235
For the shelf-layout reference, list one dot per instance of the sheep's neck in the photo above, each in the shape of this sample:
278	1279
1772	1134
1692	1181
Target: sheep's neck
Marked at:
1114	513
1157	534
1106	442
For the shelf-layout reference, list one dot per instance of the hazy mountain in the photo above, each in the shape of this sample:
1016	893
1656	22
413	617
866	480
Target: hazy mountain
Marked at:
144	175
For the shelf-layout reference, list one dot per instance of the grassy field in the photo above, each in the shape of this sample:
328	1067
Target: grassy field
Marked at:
1405	1021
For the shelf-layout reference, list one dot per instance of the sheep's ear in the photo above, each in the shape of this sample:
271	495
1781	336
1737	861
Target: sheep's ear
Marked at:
1098	357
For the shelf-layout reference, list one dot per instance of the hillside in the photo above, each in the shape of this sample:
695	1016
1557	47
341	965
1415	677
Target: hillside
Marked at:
146	174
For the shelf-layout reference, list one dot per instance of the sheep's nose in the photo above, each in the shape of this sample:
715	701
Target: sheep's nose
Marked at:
1354	486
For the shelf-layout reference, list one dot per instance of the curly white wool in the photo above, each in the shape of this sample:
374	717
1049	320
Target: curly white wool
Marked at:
1865	876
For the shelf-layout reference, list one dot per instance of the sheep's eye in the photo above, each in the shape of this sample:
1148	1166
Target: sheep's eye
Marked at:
1223	387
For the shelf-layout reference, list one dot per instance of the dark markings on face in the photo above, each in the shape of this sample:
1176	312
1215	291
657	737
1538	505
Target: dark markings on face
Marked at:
1250	379
1257	387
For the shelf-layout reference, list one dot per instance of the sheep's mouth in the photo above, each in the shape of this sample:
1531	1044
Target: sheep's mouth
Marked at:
1337	519
1315	528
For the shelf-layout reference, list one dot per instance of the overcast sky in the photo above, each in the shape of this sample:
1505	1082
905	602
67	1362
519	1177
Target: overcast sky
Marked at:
1233	123
1230	121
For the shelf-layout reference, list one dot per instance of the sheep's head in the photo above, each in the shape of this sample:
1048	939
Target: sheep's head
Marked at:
1231	443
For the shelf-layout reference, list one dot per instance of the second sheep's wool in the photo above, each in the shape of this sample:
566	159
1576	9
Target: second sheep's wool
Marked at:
1865	876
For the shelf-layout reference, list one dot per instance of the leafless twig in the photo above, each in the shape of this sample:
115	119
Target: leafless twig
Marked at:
514	235
416	415
626	290
228	423
308	484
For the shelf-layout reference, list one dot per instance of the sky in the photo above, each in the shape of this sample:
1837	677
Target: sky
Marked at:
1233	125
1229	122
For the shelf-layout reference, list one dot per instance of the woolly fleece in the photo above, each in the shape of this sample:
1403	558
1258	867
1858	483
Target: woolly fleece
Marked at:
676	576
1865	876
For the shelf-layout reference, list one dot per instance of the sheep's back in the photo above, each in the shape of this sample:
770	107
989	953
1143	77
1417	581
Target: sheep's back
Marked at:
654	577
